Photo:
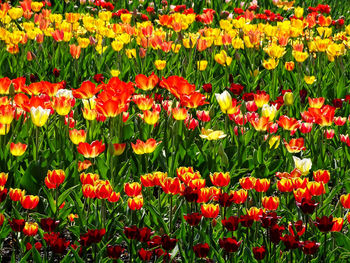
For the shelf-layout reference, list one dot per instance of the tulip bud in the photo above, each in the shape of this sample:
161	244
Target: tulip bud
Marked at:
288	98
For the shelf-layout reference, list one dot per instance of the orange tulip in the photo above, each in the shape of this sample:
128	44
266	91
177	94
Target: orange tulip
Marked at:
143	102
111	107
345	201
289	65
133	189
86	90
16	194
300	182
270	202
75	51
72	217
62	105
5	85
300	193
7	114
322	176
54	178
285	185
262	185
210	210
171	185
146	83
114	197
18	149
197	183
151	117
323	116
295	145
316	102
89	191
261	99
91	150
338	224
247	183
255	213
179	114
204	195
118	148
89	178
3	178
316	188
220	179
83	165
287	123
240	196
29	201
77	136
193	100
103	190
188	177
155	179
135	203
260	124
30	229
144	147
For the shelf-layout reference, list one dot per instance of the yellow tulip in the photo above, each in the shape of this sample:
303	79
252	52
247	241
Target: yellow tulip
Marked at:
202	65
39	116
160	64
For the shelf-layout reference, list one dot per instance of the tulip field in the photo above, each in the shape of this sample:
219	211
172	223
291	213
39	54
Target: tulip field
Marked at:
175	131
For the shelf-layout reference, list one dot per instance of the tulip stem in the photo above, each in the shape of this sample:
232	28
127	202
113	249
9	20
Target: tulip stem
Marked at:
324	247
36	143
103	212
171	212
56	198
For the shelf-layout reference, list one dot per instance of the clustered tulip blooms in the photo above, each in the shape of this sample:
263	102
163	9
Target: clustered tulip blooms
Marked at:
141	131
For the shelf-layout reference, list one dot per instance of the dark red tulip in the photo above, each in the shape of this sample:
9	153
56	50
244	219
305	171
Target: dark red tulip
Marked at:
231	223
56	72
193	219
225	199
37	246
49	224
310	247
207	88
230	245
3	194
145	255
246	220
144	234
290	242
114	252
168	243
325	223
236	89
276	233
99	78
248	96
338	103
299	227
190	194
268	219
17	225
303	94
156	241
131	232
201	250
259	252
92	236
307	206
59	246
